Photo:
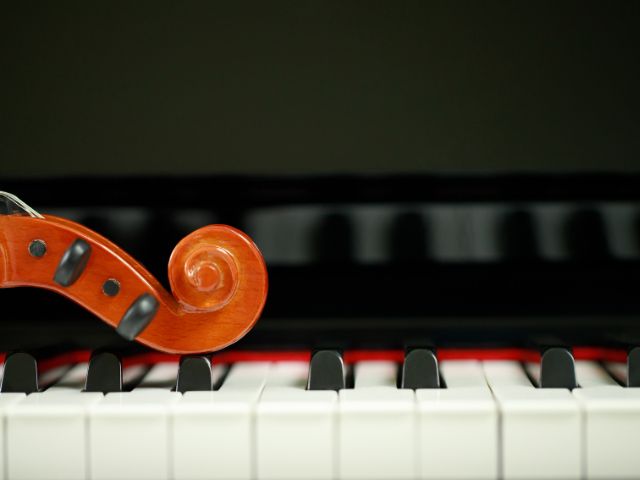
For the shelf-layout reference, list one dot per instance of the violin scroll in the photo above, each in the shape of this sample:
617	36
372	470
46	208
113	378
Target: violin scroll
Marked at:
217	275
208	266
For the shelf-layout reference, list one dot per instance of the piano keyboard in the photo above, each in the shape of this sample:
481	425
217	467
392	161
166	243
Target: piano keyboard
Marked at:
258	419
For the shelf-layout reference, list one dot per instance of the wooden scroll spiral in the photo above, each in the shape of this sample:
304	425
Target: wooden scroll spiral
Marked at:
217	275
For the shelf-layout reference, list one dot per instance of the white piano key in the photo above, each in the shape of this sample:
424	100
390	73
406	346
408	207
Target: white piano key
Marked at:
219	372
129	432
73	380
161	376
534	371
540	427
590	374
213	432
500	374
377	426
295	427
611	415
132	375
6	401
39	422
619	371
47	435
288	374
375	374
51	376
458	425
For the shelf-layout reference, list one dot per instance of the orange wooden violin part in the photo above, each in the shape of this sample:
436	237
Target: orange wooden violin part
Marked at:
217	275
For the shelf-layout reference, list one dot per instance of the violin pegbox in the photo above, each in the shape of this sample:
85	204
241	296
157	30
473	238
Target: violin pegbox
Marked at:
217	275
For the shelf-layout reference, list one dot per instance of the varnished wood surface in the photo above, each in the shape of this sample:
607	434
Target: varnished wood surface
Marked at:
178	326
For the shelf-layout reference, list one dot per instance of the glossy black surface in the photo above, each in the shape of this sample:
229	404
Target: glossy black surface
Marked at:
420	370
138	316
373	261
194	374
633	368
37	248
20	374
73	262
557	369
326	371
104	373
111	287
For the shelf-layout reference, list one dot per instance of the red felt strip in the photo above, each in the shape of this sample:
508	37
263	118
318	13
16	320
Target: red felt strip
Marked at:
350	356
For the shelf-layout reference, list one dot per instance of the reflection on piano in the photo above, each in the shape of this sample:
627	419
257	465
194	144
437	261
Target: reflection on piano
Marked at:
423	327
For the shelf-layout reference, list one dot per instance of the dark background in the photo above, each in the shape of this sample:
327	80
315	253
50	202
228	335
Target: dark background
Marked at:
301	87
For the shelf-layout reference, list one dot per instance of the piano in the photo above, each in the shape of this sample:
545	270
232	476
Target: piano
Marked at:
448	202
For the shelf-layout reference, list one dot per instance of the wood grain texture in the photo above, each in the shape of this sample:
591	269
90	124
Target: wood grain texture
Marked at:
184	323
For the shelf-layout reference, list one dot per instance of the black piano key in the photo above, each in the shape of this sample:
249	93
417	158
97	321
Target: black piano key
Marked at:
194	374
586	235
517	236
104	373
326	371
20	374
420	370
408	240
633	367
557	369
333	239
